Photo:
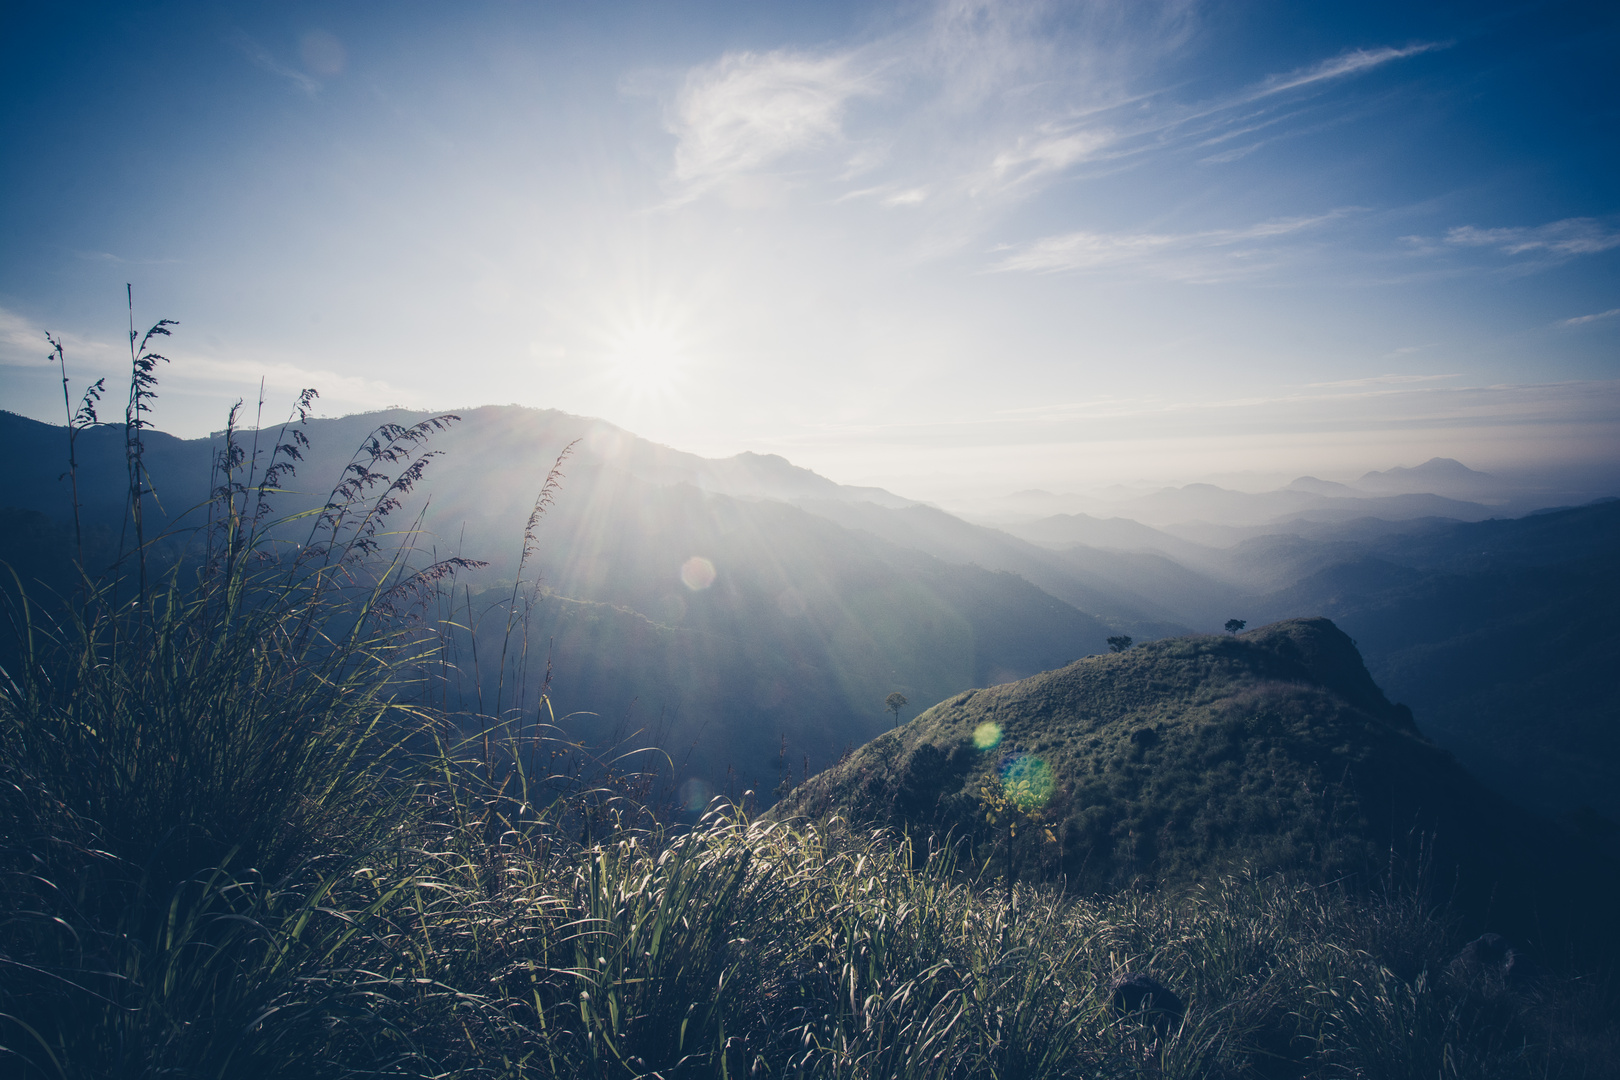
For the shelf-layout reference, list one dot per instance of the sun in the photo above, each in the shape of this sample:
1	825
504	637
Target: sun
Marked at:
646	359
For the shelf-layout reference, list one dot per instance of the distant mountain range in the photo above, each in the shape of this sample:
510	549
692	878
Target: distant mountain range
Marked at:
1440	487
826	598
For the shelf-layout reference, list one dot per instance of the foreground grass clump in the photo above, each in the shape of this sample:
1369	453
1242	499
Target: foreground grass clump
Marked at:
468	944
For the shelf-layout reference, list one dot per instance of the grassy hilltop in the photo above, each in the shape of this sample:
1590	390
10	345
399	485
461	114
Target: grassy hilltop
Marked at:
1188	757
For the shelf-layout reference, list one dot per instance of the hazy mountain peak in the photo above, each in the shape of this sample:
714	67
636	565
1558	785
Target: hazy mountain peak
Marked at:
1437	476
1316	486
1435	466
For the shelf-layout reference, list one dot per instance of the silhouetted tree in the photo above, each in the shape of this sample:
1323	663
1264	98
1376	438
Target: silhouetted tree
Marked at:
1119	643
894	703
1234	625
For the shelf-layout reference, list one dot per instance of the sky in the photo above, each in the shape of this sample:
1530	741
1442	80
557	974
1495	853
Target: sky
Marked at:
949	248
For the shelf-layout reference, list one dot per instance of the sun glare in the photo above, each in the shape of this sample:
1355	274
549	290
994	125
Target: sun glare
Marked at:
646	360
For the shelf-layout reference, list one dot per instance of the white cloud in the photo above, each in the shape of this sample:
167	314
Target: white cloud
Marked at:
749	110
977	103
1382	380
1228	156
909	197
1582	320
1348	63
1038	155
971	98
1179	256
23	344
1571	236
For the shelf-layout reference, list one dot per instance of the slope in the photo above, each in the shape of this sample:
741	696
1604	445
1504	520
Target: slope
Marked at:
790	639
1175	760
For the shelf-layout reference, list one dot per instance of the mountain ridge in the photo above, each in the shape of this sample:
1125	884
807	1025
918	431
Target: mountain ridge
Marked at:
1167	763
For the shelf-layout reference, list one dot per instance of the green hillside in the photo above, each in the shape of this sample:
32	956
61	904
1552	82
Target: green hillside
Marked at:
1183	758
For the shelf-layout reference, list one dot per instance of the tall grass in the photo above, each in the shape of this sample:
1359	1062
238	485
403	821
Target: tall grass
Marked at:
235	842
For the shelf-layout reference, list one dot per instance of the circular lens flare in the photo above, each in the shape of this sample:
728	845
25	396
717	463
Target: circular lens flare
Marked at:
987	736
697	573
1027	780
695	795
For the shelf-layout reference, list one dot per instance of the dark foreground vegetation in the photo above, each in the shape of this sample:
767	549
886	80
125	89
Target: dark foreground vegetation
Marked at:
247	828
230	850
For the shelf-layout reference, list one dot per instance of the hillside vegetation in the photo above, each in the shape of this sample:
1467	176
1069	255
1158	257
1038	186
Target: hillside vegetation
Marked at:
1190	757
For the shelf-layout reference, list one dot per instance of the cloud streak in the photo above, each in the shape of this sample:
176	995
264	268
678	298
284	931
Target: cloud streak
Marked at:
1036	156
1582	320
263	59
1381	380
1210	254
1353	62
1563	239
23	345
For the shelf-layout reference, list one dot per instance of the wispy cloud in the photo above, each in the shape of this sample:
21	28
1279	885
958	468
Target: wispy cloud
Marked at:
908	197
1571	236
1037	155
285	375
1582	320
1382	401
1057	147
1353	62
262	57
749	110
23	344
1179	256
980	104
1381	380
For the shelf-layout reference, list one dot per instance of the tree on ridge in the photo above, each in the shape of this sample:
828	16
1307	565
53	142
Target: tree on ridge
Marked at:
894	703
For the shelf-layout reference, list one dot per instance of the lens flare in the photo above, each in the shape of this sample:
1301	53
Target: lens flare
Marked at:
1027	780
987	736
697	573
695	795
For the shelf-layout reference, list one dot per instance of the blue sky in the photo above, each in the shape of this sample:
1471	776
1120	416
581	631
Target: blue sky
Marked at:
949	248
